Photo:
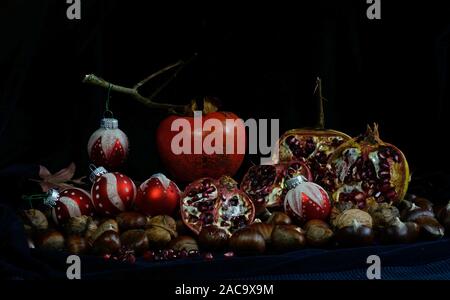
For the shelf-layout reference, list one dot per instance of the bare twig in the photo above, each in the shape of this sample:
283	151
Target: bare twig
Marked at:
148	101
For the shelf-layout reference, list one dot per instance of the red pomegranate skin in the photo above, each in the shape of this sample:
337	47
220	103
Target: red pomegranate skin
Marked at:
189	167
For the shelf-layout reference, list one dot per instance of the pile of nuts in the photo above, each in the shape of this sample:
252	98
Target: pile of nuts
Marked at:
160	238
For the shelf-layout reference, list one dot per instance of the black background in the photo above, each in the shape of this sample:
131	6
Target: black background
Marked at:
261	60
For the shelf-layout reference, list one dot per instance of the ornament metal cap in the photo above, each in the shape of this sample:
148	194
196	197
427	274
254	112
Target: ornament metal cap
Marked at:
96	171
109	123
292	183
51	197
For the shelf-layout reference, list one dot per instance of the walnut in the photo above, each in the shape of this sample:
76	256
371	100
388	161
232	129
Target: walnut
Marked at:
347	217
383	214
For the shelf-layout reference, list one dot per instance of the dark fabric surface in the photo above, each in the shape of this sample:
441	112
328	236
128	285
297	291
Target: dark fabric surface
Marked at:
425	260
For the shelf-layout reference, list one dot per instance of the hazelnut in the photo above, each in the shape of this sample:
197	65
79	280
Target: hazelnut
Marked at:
77	225
160	231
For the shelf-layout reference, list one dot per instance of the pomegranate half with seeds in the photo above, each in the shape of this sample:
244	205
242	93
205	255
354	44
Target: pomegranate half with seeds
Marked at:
265	184
216	202
313	146
367	168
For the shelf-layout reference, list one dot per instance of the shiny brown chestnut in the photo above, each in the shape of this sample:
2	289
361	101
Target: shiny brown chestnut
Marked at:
107	243
76	244
131	220
423	203
279	218
444	217
212	238
355	235
136	240
401	233
265	230
318	233
183	243
287	238
430	228
247	241
50	240
414	212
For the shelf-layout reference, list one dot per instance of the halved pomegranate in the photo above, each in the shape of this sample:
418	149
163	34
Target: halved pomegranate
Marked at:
216	202
313	146
367	168
265	184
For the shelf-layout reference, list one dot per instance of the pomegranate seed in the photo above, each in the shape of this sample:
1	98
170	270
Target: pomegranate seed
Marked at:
149	255
183	254
208	256
229	254
107	256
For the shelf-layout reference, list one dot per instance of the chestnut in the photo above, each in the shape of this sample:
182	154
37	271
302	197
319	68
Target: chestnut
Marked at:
183	243
76	244
423	203
131	220
399	232
355	235
247	241
136	240
430	228
279	218
108	225
34	221
286	238
212	238
414	212
346	218
50	240
107	243
265	230
318	233
444	217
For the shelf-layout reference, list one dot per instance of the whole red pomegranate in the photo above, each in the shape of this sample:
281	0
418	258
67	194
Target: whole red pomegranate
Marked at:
216	202
367	168
265	184
228	139
314	146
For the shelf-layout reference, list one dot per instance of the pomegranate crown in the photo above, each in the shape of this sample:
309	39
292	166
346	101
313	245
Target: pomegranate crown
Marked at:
372	135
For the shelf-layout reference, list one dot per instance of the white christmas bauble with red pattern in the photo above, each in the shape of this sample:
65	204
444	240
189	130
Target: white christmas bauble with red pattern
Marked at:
307	201
108	146
72	202
112	193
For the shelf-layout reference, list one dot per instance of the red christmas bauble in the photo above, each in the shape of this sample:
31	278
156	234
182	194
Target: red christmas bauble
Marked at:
108	146
71	203
158	196
307	201
112	193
